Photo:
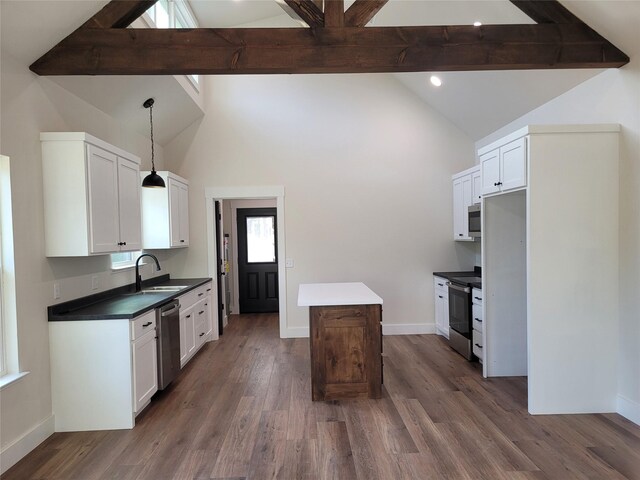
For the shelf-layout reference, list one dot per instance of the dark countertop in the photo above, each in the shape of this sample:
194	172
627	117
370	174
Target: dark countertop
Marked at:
122	302
474	273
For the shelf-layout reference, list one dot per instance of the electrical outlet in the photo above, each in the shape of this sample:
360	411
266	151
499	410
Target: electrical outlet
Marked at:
288	262
56	291
94	282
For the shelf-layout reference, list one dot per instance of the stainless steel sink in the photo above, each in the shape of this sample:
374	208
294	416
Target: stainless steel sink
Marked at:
164	288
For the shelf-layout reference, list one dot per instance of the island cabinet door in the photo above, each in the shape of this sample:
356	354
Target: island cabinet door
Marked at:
345	352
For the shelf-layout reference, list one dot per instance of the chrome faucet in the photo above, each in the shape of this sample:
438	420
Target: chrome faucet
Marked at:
138	277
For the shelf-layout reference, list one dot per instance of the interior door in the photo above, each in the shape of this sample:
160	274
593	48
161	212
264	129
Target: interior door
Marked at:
257	260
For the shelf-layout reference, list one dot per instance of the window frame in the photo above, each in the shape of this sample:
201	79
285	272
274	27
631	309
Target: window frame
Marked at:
123	265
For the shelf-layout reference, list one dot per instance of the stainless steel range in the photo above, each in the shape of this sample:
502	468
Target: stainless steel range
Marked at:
460	323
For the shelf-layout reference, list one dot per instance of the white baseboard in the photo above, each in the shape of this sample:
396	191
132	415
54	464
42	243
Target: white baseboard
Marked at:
629	409
296	332
13	453
408	328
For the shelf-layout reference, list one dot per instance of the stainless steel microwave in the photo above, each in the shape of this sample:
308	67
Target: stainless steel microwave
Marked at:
475	223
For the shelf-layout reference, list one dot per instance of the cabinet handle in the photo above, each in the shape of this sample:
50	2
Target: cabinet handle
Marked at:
201	335
206	304
181	241
200	294
208	289
145	325
441	284
478	298
189	316
460	235
478	320
200	312
479	346
124	243
119	243
440	296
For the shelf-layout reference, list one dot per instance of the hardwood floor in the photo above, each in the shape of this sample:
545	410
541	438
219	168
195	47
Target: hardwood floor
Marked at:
242	409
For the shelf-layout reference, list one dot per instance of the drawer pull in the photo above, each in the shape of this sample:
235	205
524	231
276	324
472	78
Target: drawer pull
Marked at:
208	289
478	298
441	284
478	320
189	316
200	294
440	296
145	325
479	346
200	312
202	334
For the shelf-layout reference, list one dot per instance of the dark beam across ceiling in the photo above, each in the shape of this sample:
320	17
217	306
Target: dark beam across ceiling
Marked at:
102	46
328	50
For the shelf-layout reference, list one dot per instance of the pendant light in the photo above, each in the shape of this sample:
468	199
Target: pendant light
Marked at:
153	180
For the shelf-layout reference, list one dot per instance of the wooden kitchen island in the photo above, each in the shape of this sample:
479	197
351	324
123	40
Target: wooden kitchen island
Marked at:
345	333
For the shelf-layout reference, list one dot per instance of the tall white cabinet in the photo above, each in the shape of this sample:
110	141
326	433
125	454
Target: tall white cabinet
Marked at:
91	196
165	219
550	265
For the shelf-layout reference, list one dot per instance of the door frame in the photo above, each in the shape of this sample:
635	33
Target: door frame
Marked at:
250	193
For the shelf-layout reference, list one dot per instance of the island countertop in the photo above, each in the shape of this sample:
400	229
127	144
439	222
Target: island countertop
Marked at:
326	294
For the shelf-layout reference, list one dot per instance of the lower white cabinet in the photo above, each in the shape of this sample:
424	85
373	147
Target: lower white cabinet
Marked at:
195	321
103	372
145	362
478	324
441	294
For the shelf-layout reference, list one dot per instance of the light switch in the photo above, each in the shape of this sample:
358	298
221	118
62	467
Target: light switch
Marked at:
288	262
56	291
94	282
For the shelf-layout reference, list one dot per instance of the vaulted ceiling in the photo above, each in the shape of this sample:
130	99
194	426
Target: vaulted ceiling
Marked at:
462	98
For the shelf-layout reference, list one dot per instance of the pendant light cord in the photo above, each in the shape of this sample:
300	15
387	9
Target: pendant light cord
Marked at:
153	164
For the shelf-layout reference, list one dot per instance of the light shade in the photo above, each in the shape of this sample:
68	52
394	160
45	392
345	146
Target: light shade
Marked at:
153	180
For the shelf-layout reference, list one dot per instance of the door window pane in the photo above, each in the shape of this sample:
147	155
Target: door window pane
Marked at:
261	240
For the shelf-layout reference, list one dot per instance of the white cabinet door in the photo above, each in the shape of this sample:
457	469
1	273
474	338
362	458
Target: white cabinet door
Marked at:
209	317
490	172
145	369
476	181
129	201
184	215
200	315
442	311
174	212
513	165
462	199
103	200
187	335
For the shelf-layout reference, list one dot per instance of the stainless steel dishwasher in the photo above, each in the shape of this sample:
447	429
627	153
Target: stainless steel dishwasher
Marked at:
168	338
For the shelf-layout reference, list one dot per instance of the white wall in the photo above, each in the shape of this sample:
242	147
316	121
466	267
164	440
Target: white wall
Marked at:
612	97
366	168
31	105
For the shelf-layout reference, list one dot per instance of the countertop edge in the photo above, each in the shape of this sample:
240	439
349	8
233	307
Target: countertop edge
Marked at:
71	317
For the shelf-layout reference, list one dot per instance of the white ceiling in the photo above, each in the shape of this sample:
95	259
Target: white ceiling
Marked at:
477	102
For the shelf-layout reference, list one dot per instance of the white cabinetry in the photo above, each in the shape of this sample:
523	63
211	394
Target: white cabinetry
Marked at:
463	198
441	295
165	213
504	168
195	321
103	372
91	196
144	351
477	321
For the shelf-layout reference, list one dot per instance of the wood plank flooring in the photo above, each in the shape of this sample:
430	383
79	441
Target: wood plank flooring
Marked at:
242	409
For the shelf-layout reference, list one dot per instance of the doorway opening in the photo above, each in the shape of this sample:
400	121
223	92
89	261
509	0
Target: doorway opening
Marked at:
246	247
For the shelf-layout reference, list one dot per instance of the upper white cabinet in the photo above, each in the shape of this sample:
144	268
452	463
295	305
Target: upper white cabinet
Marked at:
504	167
463	198
91	196
165	213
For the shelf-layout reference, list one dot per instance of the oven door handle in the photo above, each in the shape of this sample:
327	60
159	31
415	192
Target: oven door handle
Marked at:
171	311
459	288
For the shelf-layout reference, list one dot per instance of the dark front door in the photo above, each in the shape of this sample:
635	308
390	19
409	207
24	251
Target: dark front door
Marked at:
257	260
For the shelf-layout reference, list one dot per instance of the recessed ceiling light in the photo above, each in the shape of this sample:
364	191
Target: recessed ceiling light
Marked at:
435	81
477	24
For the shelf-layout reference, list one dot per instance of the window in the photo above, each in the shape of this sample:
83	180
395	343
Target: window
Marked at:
124	260
174	14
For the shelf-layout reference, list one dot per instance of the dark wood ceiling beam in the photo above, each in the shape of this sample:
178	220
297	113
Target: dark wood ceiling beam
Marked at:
305	10
328	50
362	12
119	14
546	11
334	13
